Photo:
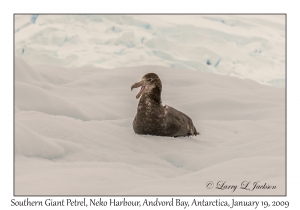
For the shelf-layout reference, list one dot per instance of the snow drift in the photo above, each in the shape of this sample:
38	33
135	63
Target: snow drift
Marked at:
74	136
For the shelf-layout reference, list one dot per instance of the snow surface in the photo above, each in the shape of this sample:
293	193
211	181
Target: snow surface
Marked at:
244	46
74	136
74	108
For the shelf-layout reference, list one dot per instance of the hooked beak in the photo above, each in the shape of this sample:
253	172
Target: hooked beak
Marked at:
139	84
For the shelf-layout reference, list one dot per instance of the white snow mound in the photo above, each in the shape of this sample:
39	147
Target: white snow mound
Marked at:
74	136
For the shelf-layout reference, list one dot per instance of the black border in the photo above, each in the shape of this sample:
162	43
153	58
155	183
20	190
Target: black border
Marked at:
285	14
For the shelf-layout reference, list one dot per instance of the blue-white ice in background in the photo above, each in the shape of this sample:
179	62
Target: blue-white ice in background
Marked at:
25	24
33	18
250	46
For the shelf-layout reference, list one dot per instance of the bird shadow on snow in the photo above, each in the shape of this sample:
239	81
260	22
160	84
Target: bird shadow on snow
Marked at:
191	139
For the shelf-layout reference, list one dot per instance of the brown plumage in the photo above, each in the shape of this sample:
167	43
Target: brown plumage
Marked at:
155	119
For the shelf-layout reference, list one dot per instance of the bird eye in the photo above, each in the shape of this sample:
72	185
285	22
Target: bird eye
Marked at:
149	80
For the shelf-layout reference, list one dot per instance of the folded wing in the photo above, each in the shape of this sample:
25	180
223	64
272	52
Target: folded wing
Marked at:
178	123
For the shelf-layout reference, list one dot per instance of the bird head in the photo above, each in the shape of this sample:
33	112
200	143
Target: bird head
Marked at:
148	84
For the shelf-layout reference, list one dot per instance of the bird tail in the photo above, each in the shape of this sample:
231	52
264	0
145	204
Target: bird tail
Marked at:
195	132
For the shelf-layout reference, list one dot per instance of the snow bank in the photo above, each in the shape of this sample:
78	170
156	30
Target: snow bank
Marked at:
74	136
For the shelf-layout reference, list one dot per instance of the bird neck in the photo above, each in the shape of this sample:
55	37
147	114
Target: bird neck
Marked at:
152	98
149	106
